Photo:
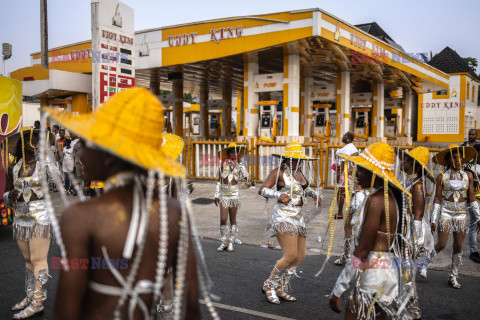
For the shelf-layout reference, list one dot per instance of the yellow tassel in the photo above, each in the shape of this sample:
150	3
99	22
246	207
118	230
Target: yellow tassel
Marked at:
23	151
348	196
387	207
6	154
370	309
332	225
347	191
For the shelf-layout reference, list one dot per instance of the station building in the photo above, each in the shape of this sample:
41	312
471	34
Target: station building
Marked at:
299	75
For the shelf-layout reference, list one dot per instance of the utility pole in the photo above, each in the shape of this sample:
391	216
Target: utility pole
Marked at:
44	33
7	53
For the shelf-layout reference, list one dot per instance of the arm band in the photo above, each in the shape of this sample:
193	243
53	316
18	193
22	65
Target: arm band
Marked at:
270	193
217	191
435	213
474	207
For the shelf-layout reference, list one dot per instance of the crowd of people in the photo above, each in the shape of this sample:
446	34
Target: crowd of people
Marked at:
393	206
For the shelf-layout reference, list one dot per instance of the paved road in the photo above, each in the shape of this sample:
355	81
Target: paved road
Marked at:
238	277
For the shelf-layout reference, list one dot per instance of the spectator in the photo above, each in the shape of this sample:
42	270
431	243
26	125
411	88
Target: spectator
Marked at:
60	141
36	125
55	129
68	165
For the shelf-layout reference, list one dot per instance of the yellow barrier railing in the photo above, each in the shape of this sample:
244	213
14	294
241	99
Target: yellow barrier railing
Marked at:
200	157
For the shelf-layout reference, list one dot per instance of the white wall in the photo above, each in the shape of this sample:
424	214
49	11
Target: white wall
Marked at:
30	112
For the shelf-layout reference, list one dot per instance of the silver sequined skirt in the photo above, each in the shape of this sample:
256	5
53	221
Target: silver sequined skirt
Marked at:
453	216
378	284
31	221
287	219
229	196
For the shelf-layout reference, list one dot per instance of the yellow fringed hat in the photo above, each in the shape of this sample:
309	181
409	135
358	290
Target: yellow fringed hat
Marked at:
173	145
240	150
422	156
294	150
379	158
129	125
466	154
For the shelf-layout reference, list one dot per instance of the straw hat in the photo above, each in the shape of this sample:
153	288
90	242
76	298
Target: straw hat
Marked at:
466	154
129	125
379	158
422	156
239	150
294	150
173	145
13	140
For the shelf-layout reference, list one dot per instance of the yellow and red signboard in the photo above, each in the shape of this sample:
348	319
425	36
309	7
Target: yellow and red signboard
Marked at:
10	106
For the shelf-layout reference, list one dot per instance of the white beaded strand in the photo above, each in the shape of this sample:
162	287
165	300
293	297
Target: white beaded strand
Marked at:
163	241
182	254
205	288
48	200
144	210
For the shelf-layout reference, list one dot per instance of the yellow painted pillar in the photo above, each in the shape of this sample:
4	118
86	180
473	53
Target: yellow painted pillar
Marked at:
80	103
343	103
250	97
378	110
291	94
463	89
306	128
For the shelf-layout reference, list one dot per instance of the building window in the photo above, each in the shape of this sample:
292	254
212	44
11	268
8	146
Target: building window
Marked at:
473	93
468	90
126	61
125	51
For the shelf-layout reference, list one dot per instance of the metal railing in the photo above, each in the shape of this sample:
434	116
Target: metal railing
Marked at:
202	162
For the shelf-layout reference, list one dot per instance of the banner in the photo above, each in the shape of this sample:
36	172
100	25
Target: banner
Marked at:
10	115
113	51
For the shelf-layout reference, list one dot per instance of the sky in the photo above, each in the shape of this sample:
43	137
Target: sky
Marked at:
419	26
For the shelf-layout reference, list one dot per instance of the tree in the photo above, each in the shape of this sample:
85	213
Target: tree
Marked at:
472	63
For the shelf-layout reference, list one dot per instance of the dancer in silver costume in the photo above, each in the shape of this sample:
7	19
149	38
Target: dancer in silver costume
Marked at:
133	223
414	165
289	187
454	188
31	227
371	281
227	194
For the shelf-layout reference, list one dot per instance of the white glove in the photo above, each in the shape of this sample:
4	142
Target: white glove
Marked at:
270	193
435	213
419	236
217	191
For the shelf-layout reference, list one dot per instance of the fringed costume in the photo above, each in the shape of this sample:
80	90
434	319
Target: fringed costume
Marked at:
287	218
376	285
232	172
31	217
130	127
452	215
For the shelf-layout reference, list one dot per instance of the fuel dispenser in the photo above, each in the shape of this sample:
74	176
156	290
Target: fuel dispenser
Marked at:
322	126
215	117
270	124
361	125
215	123
391	123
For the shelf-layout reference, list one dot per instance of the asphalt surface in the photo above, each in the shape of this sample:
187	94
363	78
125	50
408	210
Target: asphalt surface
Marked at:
238	278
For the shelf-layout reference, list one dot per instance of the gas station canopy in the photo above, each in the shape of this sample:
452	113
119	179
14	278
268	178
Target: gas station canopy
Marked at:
215	52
